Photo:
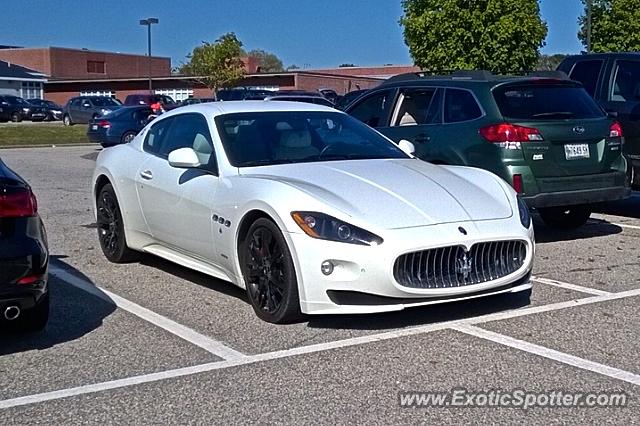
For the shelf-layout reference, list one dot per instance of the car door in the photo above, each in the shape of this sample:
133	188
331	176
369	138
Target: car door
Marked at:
85	112
415	117
178	203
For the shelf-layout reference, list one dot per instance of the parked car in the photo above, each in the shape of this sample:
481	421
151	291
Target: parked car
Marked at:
347	98
613	79
159	103
544	136
241	93
16	109
193	101
310	211
24	258
82	109
310	99
121	126
329	94
52	110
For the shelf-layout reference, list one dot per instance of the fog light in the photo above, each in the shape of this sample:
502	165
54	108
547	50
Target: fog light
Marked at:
326	267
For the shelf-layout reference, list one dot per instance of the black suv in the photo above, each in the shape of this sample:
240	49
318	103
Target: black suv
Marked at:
16	109
543	134
613	79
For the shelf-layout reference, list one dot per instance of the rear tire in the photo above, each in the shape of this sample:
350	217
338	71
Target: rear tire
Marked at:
128	137
269	274
36	318
16	117
570	217
111	234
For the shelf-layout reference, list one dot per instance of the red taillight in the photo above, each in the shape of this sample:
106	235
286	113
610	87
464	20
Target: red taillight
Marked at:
104	124
30	279
615	131
517	183
20	203
505	134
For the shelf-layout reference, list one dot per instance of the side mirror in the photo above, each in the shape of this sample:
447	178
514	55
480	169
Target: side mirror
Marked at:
184	158
407	147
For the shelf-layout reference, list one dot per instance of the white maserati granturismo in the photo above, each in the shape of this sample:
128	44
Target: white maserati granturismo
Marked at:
310	211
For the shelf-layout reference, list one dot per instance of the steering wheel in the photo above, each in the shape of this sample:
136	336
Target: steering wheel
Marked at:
329	147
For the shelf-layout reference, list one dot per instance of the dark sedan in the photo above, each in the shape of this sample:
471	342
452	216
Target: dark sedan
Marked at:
52	110
120	126
24	257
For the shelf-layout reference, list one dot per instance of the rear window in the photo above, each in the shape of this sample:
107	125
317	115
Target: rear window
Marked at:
545	102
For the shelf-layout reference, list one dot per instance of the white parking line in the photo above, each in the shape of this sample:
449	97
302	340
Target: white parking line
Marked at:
210	345
605	370
606	222
569	286
250	359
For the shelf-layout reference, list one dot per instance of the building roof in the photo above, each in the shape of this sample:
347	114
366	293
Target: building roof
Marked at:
9	71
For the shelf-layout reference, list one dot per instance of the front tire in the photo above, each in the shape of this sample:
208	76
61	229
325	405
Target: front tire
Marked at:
66	120
269	273
570	217
16	117
111	234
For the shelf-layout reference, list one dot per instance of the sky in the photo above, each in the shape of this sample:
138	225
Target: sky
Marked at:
307	33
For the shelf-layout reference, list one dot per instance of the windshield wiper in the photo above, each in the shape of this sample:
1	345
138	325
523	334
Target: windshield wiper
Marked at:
554	114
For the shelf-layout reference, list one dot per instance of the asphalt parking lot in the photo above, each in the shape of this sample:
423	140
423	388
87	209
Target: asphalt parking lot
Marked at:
153	342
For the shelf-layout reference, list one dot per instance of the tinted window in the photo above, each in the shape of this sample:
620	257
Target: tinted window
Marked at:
189	131
372	110
545	102
460	105
587	73
75	102
103	101
156	135
627	83
414	107
265	138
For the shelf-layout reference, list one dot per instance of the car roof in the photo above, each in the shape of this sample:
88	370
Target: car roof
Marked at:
614	55
228	107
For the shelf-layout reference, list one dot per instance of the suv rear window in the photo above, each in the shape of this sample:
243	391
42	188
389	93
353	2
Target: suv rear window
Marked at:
537	101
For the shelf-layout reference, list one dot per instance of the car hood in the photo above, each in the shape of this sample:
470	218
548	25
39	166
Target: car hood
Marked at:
394	194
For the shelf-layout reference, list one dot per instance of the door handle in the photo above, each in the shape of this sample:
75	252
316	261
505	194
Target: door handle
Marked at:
422	138
146	175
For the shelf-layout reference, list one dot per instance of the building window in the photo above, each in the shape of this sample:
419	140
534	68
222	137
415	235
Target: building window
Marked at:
31	90
176	94
109	93
95	67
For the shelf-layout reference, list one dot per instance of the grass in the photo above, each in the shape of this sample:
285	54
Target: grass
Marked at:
41	134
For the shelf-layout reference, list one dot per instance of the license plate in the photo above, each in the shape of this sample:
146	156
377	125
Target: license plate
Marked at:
572	152
94	127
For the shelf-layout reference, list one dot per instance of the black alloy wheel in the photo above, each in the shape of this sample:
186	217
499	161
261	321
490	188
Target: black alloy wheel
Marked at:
269	273
111	227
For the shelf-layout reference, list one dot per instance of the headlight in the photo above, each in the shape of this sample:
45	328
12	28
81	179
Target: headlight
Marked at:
325	227
525	217
25	110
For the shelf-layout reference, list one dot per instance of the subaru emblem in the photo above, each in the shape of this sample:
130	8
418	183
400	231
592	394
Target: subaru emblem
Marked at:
579	130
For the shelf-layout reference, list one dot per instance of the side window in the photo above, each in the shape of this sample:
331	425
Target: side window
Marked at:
460	105
626	86
156	135
75	102
190	131
415	107
587	73
373	109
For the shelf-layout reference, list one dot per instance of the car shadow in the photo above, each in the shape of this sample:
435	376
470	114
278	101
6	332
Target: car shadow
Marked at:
593	229
73	314
194	277
629	207
418	316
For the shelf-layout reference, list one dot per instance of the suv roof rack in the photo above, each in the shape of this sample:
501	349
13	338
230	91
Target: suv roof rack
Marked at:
443	75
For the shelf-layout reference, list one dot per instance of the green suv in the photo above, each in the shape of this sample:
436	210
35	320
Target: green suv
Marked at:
543	134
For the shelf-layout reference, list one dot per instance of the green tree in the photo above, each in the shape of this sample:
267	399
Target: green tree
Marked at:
549	62
268	61
216	64
615	25
496	35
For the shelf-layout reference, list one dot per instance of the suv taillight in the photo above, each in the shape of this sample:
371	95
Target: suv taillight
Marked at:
615	131
18	203
510	135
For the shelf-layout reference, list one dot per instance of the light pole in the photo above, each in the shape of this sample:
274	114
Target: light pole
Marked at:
589	7
148	22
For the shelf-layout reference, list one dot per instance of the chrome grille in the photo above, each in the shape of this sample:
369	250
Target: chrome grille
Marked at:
455	266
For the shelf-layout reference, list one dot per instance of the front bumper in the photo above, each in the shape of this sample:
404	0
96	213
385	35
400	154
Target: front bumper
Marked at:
363	280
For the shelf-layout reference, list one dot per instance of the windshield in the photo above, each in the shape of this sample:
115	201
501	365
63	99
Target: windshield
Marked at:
535	101
266	138
104	101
